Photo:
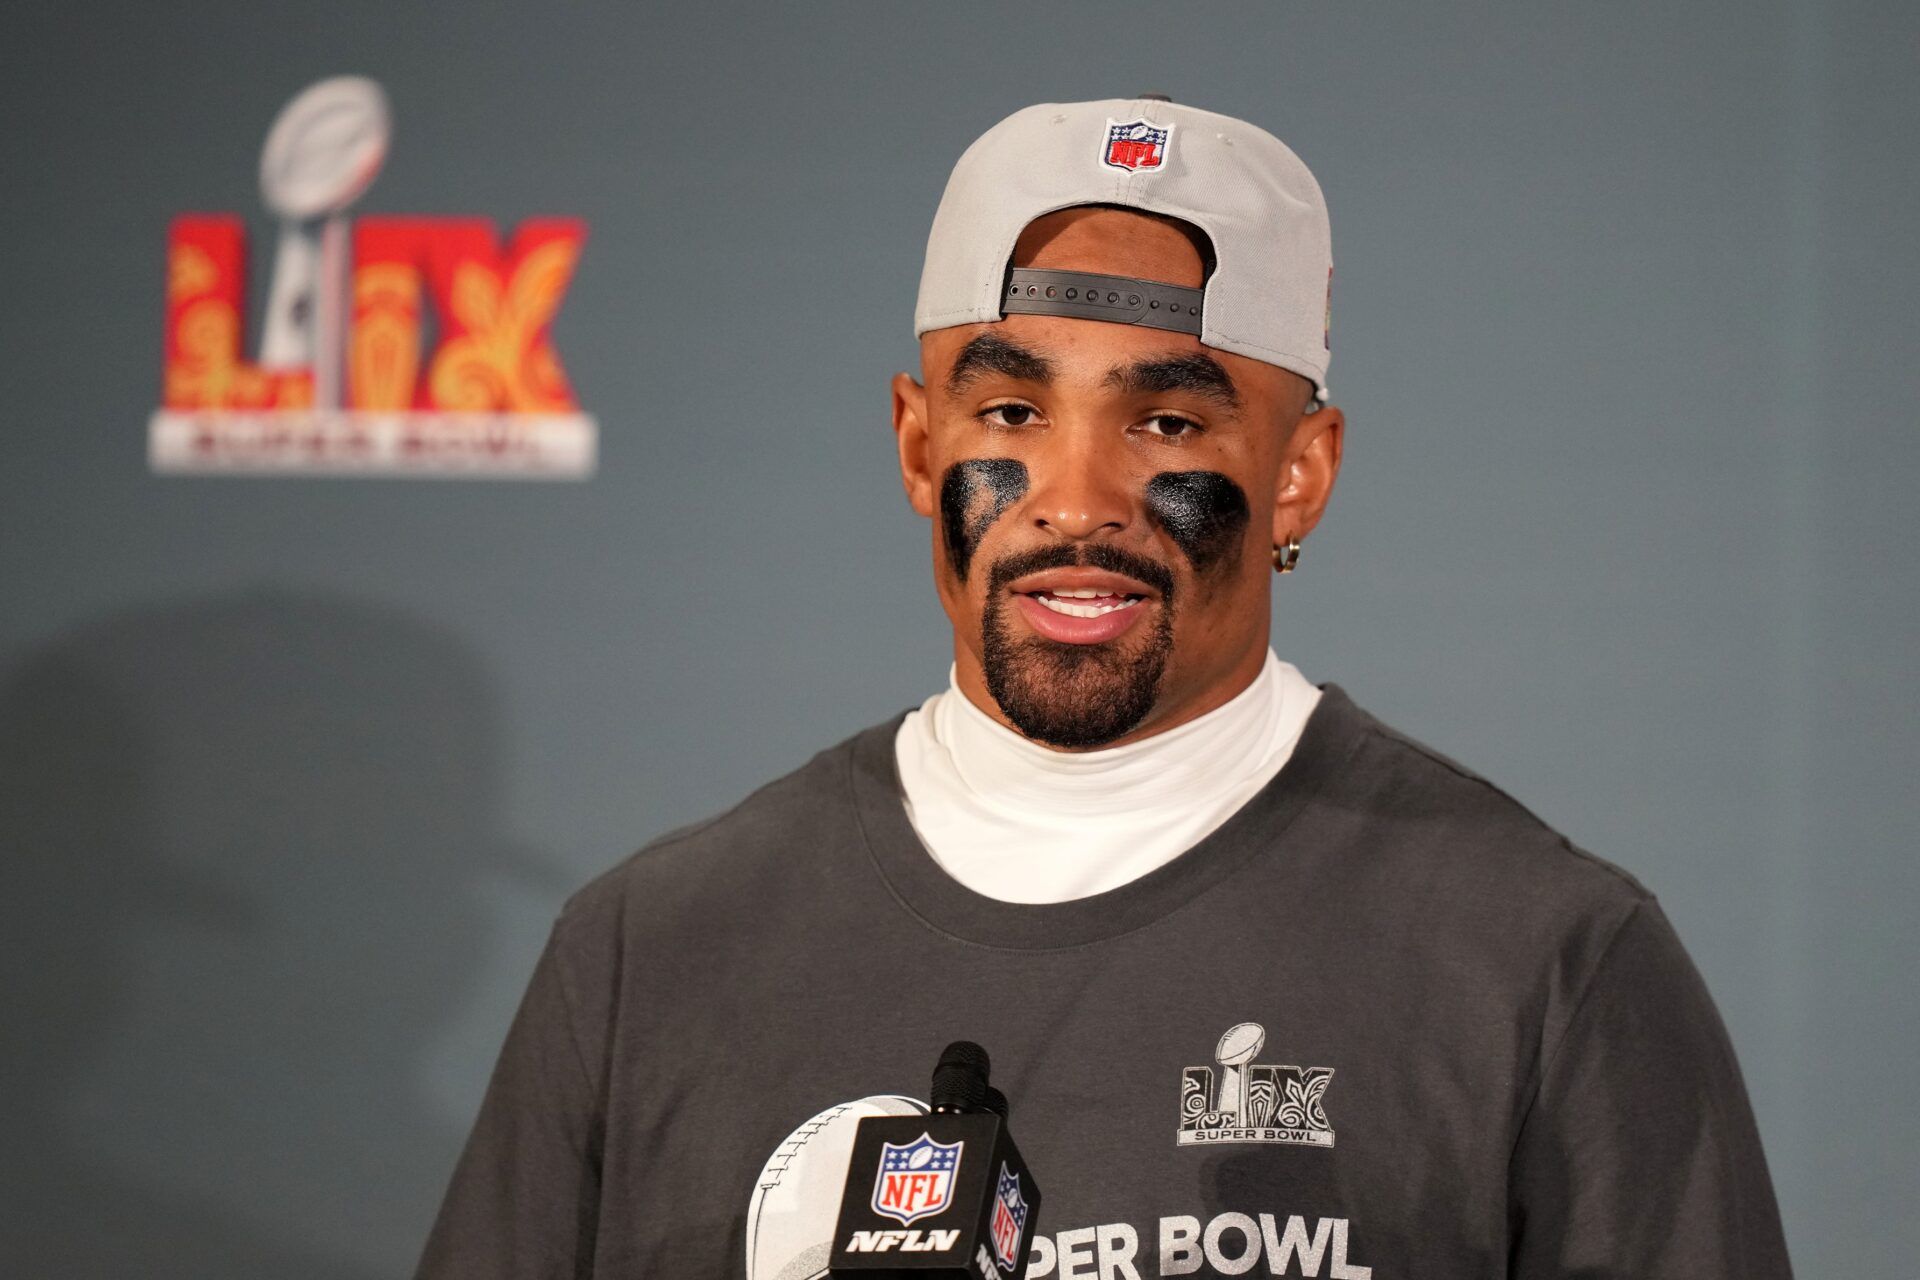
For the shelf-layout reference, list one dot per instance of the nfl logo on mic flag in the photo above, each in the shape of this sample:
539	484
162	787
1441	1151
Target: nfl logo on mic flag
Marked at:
1009	1219
915	1179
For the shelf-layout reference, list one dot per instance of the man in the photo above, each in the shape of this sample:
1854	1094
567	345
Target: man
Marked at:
1272	988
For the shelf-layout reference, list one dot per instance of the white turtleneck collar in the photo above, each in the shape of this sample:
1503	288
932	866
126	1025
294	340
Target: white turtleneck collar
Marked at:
1020	822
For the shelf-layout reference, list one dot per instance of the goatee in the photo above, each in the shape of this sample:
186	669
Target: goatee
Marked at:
1075	696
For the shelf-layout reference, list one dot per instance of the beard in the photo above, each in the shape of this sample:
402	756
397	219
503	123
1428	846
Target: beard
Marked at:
1075	695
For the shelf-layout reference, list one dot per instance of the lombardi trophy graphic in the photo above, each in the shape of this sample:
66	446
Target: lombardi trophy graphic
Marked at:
322	153
1237	1048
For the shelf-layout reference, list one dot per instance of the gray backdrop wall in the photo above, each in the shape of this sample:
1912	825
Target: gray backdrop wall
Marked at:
296	771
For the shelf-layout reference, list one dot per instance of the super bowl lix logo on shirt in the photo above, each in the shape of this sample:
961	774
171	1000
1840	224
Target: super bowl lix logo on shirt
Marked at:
1248	1101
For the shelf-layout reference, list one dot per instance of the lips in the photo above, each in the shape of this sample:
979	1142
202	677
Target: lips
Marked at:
1079	605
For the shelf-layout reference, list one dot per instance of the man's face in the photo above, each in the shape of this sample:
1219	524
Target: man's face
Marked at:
1105	497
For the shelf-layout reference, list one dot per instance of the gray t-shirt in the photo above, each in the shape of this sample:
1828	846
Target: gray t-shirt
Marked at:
1381	1024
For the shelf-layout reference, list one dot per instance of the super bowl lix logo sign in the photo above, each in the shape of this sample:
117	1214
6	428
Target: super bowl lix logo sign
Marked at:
344	381
1253	1102
915	1179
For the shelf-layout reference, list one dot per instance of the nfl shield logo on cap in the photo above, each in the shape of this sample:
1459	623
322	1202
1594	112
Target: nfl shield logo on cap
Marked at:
1136	145
915	1178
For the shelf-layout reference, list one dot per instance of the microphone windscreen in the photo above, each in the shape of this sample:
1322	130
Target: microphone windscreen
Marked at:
960	1078
965	1053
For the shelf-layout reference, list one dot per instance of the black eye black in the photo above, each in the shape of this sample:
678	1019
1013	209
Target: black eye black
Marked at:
1014	415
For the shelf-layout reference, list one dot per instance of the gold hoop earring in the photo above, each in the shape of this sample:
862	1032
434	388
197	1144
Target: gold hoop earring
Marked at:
1291	552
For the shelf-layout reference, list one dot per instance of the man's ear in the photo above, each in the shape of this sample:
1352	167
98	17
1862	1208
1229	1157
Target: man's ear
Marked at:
1307	474
910	433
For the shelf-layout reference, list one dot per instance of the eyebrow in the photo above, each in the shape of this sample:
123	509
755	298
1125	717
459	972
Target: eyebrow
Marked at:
990	353
1195	373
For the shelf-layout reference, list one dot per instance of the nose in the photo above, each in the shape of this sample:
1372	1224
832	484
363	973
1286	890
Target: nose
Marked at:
1080	491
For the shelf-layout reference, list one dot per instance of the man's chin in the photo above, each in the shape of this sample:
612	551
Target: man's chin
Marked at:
1073	696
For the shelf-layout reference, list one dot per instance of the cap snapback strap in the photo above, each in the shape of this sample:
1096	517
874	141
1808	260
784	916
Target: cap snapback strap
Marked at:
1087	296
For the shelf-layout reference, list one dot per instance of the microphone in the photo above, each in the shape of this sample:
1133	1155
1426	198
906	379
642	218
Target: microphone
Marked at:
941	1196
960	1079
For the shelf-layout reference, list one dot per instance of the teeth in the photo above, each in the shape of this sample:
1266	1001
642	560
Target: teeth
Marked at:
1083	610
1081	593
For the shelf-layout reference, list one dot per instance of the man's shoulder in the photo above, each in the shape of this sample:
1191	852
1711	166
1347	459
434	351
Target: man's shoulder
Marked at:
1453	829
741	848
1413	849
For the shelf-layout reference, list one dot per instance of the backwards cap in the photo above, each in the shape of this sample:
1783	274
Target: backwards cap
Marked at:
1270	295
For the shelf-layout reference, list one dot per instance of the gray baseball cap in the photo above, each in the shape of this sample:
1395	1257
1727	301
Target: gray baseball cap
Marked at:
1270	295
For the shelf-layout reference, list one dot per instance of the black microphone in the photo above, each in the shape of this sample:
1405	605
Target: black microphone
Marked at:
960	1078
944	1195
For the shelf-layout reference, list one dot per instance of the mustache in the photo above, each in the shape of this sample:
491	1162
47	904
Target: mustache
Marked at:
1097	555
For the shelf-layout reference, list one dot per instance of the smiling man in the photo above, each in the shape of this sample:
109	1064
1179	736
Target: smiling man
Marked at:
1271	988
1129	590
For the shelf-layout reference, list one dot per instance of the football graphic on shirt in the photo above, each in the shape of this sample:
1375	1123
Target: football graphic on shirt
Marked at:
1240	1043
796	1198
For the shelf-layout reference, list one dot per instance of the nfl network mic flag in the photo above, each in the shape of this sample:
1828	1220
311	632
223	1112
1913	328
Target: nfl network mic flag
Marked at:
944	1195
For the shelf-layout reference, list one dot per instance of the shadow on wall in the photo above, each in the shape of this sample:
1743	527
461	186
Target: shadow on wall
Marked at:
243	838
